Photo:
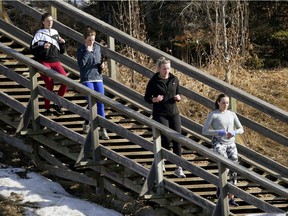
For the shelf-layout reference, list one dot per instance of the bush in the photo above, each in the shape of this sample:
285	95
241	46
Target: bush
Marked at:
254	63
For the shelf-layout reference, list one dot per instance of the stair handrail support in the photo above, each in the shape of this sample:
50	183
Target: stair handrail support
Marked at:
223	189
158	160
94	133
34	98
110	62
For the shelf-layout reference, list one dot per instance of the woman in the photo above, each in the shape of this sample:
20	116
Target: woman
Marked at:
90	62
163	91
47	46
223	125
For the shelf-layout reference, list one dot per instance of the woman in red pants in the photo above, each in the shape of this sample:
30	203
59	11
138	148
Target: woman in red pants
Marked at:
46	46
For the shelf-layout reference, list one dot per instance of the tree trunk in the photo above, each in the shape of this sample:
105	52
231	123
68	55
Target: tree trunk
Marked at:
226	53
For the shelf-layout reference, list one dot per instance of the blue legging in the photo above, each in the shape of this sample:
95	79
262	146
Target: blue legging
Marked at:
99	87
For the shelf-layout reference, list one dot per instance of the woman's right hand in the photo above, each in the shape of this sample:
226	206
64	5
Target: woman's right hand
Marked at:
47	45
157	99
222	133
89	48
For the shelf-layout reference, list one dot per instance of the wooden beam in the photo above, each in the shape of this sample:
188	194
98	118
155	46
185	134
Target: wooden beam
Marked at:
51	158
223	190
13	141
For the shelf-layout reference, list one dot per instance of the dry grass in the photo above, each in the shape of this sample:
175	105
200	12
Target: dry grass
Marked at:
268	85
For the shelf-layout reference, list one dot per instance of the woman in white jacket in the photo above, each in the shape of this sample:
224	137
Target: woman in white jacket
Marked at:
46	47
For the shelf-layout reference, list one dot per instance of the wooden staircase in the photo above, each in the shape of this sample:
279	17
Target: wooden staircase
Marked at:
127	157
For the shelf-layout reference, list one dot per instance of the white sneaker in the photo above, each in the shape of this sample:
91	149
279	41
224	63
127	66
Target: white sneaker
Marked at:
179	172
103	134
86	128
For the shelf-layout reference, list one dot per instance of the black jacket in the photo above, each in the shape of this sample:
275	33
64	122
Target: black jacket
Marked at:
166	87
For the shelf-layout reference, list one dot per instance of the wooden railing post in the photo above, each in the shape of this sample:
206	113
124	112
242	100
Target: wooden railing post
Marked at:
3	13
34	99
96	154
94	128
233	107
53	12
1	9
223	189
158	160
233	104
111	62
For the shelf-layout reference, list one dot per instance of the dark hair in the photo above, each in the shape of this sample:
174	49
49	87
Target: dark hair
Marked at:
89	32
219	99
43	17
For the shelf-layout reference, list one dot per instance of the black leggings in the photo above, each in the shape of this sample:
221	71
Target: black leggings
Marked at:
173	122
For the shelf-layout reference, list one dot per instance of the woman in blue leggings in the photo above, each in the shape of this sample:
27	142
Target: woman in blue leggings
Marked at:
89	59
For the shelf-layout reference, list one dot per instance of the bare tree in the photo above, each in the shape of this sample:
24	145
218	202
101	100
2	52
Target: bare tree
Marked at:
230	33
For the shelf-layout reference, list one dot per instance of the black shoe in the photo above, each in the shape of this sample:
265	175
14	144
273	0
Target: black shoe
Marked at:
232	202
47	112
217	193
57	109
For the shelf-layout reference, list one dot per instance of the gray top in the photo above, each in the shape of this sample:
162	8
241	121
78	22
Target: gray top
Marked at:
227	121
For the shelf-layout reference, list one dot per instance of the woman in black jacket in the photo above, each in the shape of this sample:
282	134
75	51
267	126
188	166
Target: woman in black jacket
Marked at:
163	91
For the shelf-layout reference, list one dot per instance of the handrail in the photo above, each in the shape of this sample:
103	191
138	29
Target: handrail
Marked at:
176	63
72	66
146	72
185	68
147	121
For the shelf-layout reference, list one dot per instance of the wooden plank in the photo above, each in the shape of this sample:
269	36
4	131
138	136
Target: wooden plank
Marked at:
9	83
15	76
187	195
13	141
131	147
265	169
68	174
136	188
266	207
54	145
50	158
260	159
9	90
146	153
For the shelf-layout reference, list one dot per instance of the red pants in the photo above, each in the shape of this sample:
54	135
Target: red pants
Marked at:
49	81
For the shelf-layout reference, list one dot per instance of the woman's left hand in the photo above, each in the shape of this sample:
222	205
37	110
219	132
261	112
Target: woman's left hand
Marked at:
102	65
231	134
177	97
61	40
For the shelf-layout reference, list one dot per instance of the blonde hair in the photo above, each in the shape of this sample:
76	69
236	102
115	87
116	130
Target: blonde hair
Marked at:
161	61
